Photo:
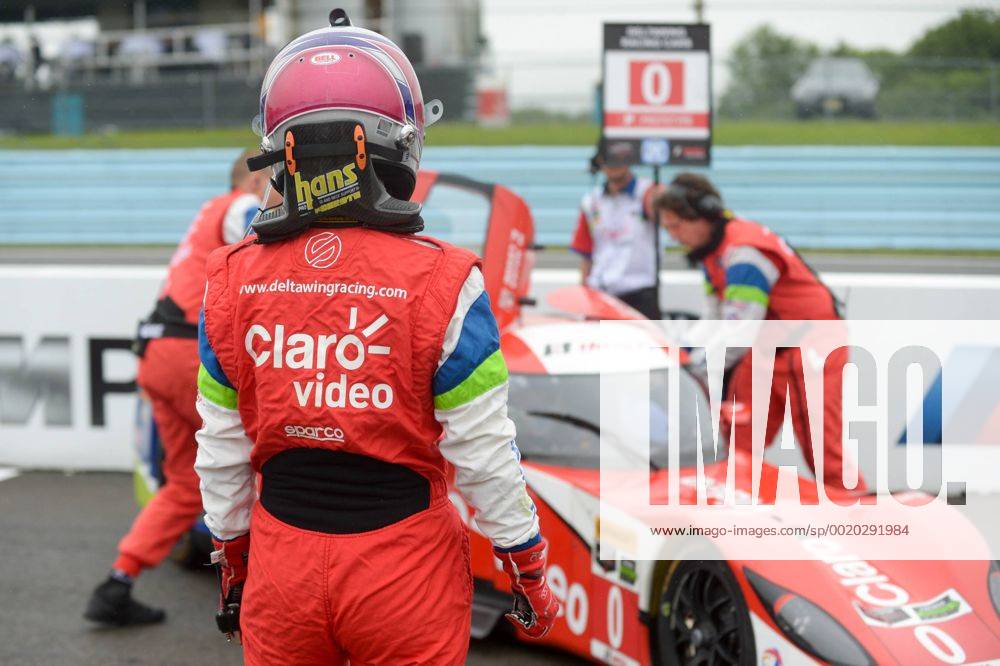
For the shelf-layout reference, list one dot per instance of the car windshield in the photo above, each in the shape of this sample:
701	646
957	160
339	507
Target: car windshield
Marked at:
840	70
558	422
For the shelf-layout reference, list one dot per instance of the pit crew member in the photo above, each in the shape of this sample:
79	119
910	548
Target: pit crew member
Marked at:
616	235
348	361
168	368
751	273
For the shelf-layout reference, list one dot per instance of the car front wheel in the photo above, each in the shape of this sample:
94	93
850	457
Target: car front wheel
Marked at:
702	618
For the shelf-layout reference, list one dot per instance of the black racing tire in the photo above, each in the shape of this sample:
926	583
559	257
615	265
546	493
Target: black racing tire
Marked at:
701	618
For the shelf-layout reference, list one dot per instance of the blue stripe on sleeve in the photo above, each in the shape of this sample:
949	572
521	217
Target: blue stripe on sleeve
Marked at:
250	214
749	275
207	354
524	546
477	341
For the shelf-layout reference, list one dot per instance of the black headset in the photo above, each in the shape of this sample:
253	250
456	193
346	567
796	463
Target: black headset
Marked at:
705	204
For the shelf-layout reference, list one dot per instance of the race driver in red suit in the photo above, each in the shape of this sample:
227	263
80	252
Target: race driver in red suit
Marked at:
352	364
168	369
751	273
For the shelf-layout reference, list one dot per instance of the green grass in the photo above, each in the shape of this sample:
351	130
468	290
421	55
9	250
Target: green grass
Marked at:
858	133
727	133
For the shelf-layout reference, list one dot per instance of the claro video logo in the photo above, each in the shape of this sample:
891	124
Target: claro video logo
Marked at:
323	353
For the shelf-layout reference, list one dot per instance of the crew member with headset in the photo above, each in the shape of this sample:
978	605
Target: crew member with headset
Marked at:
354	409
751	273
616	234
168	369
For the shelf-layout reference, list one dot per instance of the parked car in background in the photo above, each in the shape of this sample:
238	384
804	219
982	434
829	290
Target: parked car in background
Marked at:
836	87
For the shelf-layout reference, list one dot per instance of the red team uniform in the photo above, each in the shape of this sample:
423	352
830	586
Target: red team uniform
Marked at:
753	274
168	372
338	391
347	368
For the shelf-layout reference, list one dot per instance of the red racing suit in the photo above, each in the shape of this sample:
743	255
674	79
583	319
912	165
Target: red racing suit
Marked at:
348	367
168	373
753	274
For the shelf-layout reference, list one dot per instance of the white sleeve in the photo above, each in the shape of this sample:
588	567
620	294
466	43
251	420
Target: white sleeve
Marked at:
750	276
223	458
223	464
238	216
470	389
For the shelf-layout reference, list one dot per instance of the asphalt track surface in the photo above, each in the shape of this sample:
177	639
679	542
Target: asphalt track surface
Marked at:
554	258
58	535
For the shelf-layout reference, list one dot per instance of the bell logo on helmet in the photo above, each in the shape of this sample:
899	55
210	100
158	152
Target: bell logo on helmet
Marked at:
323	250
325	58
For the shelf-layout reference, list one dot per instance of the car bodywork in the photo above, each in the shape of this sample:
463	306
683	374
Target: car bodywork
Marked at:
940	612
621	610
613	609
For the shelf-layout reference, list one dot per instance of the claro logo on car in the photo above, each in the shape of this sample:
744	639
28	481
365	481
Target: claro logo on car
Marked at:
276	347
881	602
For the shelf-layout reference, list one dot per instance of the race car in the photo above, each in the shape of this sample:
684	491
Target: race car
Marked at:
839	609
680	611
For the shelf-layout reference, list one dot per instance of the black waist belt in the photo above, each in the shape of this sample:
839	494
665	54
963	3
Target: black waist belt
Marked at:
166	321
338	492
153	330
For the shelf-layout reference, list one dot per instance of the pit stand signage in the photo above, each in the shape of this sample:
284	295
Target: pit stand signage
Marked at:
657	104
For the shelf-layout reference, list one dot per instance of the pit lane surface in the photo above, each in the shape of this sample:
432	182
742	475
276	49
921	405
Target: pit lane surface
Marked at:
57	539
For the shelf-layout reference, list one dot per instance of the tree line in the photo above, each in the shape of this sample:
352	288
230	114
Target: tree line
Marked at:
952	71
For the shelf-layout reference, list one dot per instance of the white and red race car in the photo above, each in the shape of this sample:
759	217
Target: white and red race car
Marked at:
839	609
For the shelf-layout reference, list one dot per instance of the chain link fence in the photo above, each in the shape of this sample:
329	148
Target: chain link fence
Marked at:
884	87
192	100
765	88
186	77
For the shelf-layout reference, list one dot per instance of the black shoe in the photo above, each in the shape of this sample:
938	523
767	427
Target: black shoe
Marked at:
112	603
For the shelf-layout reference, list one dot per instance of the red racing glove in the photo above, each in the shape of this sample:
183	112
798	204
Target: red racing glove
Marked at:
230	558
535	607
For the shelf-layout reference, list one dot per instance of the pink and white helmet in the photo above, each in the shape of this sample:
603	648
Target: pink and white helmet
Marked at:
347	73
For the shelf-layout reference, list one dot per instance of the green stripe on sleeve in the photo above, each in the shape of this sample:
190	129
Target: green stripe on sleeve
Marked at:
491	373
709	289
223	396
746	293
